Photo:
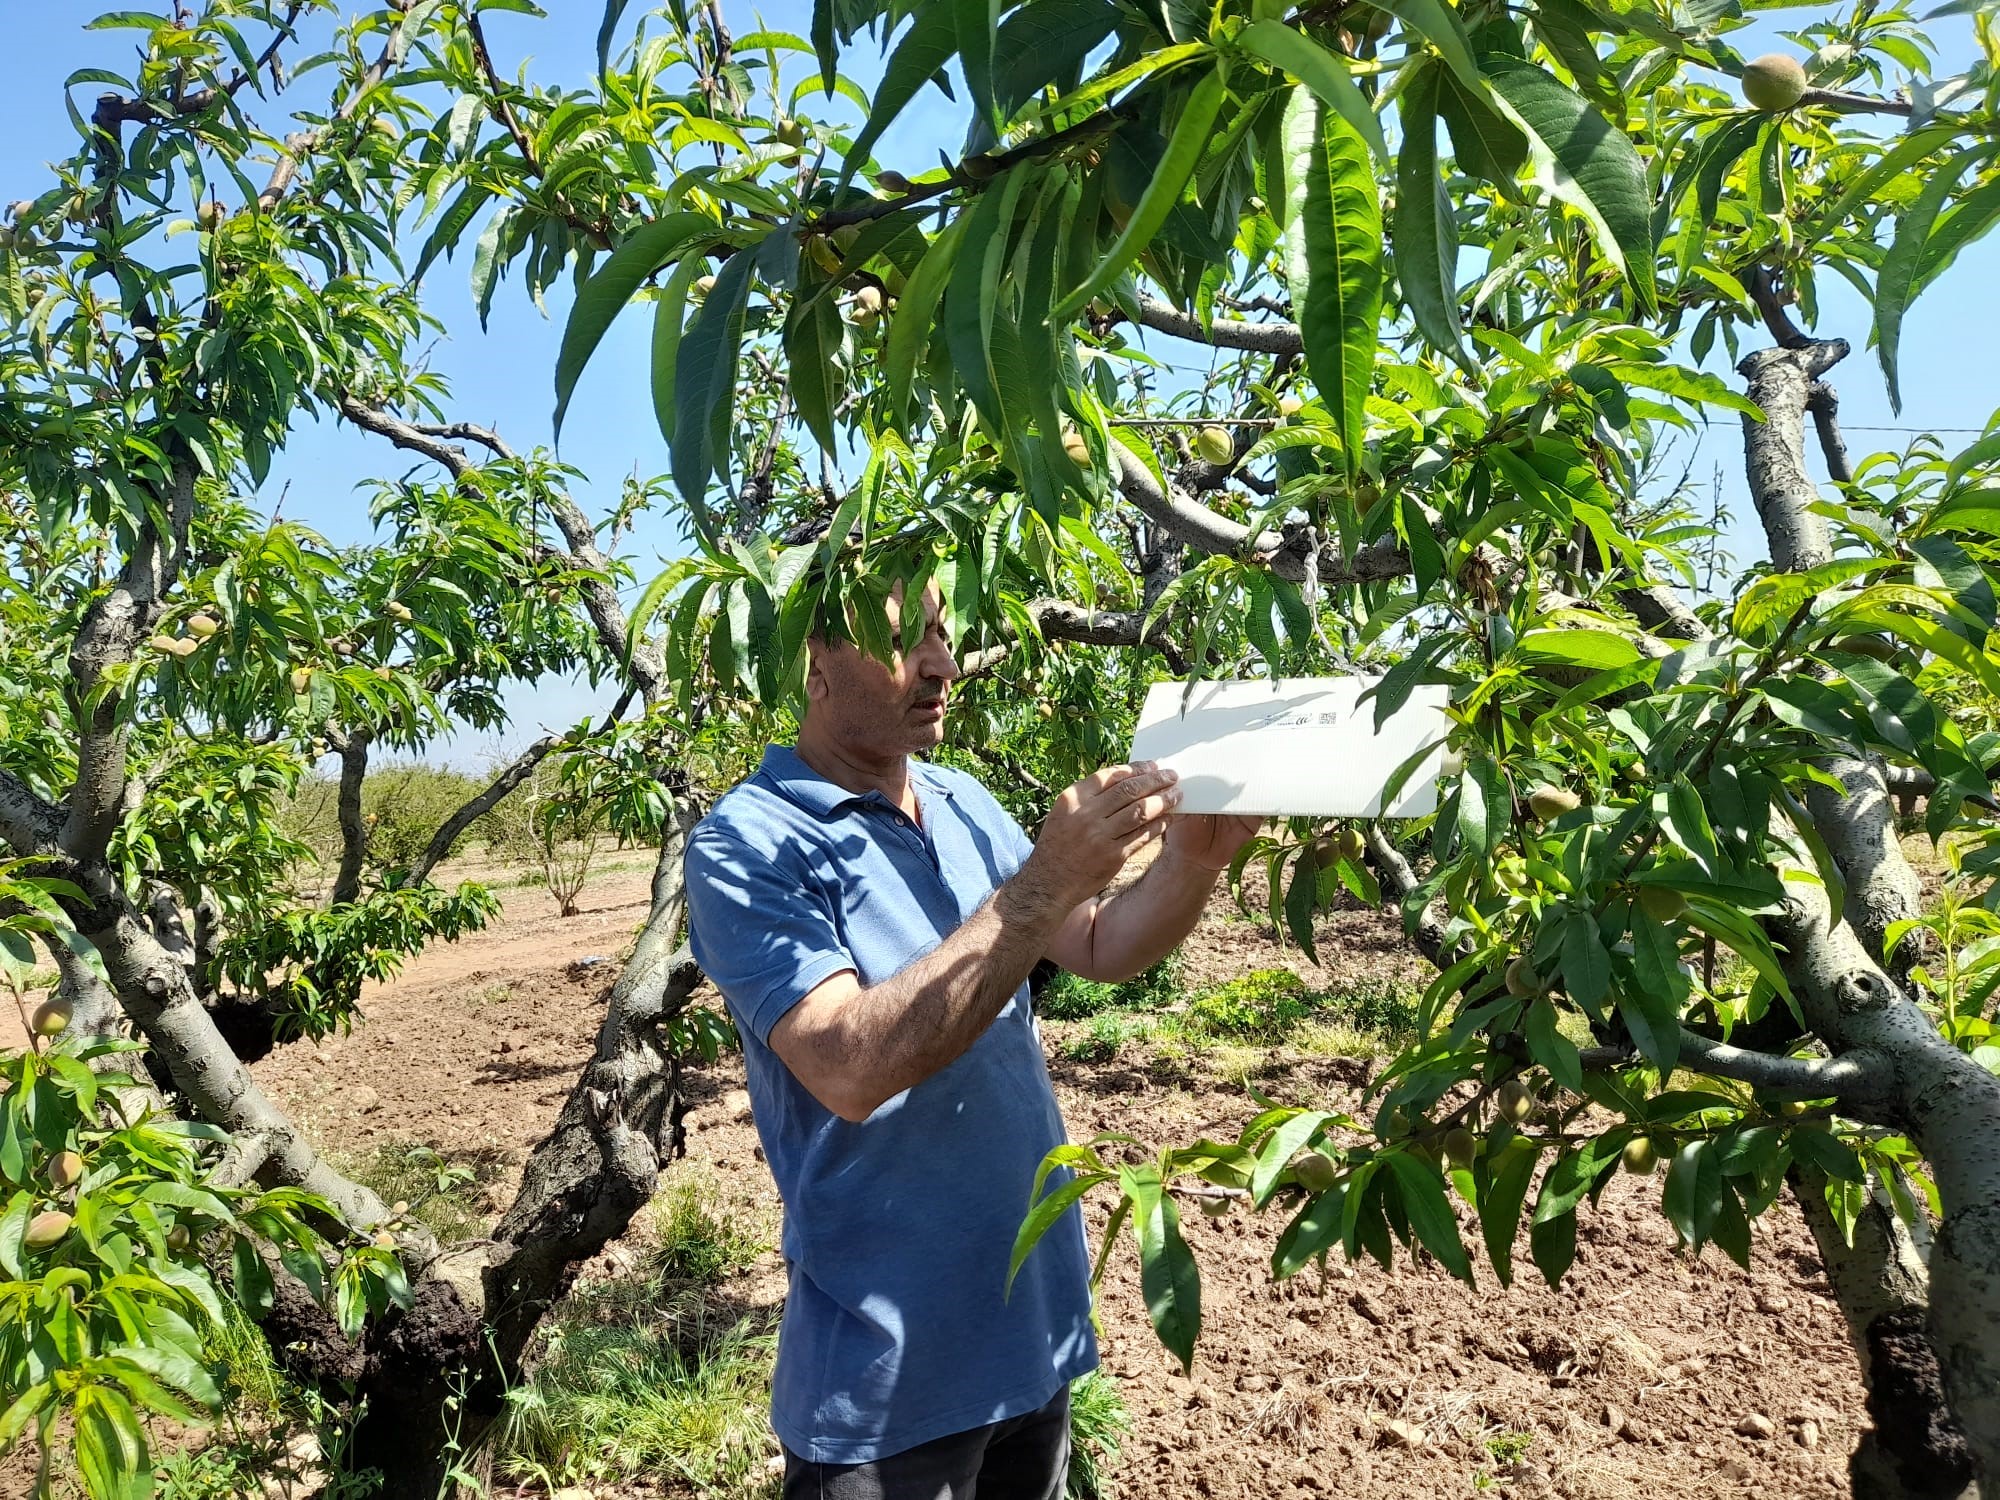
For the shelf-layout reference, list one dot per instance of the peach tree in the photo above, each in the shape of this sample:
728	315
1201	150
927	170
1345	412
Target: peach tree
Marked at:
1251	337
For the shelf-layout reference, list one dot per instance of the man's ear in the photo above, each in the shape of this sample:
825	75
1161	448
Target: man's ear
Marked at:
817	687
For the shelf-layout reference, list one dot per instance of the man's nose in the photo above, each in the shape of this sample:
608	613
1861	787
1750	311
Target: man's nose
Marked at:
938	662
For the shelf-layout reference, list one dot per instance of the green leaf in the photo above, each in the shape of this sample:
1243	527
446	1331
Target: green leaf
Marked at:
1045	1215
975	22
910	323
1163	192
1687	821
1276	1150
1302	902
1692	1195
1425	226
1551	1048
1895	282
1593	650
814	336
1333	256
1500	1206
666	347
1319	70
1553	1244
1313	1229
924	50
1438	24
825	47
1822	1149
1045	43
1585	161
1586	963
1167	1276
1652	1007
613	9
705	383
604	296
1430	1213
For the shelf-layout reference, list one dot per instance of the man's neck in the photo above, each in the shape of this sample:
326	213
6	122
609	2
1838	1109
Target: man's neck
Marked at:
840	765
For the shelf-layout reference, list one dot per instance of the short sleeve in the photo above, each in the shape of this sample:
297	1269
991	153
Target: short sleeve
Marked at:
765	938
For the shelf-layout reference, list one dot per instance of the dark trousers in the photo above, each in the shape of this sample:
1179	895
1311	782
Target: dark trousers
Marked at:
1022	1458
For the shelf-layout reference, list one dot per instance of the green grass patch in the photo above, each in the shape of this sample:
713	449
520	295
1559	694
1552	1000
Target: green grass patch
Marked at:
1098	1423
445	1194
265	1417
702	1242
667	1391
1069	998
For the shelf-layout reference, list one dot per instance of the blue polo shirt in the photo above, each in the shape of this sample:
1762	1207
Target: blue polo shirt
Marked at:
898	1328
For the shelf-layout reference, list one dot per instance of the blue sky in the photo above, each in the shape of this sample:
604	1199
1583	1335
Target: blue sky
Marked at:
502	377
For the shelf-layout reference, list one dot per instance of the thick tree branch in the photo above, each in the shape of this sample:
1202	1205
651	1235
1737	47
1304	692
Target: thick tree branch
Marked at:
29	824
110	634
600	599
1854	104
1858	1080
516	772
1824	404
1222	333
1063	620
1780	382
1191	522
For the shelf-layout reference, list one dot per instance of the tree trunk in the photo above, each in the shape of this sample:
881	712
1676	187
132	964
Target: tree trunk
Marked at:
434	1377
1915	1450
1947	1104
353	747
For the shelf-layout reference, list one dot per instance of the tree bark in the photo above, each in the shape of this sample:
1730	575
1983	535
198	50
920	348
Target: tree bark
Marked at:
1880	1281
353	747
1914	1451
436	1375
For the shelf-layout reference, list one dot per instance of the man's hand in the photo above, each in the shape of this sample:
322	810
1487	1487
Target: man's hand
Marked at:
1211	840
1099	824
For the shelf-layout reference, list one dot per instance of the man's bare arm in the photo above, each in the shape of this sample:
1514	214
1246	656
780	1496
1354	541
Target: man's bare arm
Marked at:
854	1047
1112	938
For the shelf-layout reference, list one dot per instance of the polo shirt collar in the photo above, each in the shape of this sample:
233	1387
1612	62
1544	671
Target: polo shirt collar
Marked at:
800	783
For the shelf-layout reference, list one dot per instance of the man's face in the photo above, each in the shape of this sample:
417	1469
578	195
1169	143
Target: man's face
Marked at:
879	712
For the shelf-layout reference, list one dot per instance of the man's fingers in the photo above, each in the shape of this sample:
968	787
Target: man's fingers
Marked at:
1133	788
1150	810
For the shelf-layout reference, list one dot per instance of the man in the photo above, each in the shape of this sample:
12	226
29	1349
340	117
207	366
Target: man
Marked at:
871	921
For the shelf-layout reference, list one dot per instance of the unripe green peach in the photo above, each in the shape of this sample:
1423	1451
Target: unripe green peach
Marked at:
1213	445
52	1016
1640	1156
1460	1146
1217	1208
1551	802
1349	843
1774	82
1315	1172
1513	1101
1662	904
1522	980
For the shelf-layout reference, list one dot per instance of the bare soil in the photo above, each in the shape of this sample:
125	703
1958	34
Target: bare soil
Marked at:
1648	1372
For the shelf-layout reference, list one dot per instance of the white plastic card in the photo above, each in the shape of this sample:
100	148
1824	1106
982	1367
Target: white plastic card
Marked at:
1294	747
